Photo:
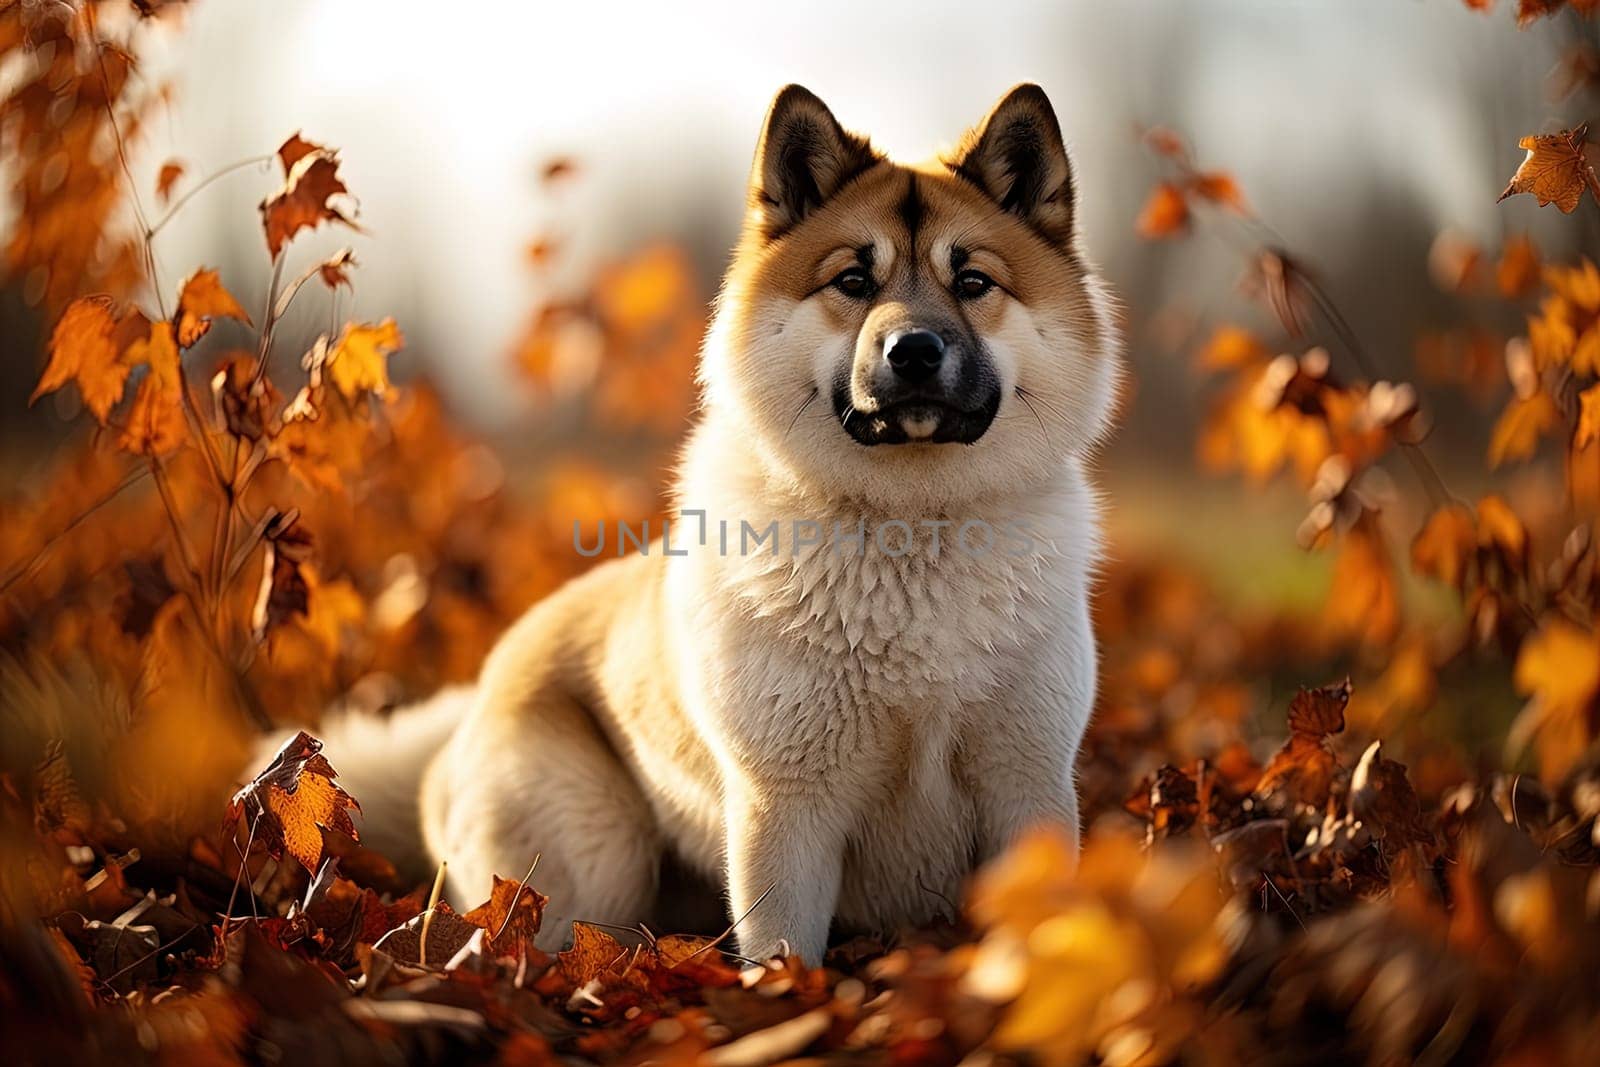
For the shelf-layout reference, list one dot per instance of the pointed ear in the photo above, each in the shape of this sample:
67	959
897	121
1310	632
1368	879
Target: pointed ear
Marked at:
804	157
1017	156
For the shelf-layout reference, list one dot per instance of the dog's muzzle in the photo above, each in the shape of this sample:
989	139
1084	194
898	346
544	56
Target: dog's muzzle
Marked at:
921	391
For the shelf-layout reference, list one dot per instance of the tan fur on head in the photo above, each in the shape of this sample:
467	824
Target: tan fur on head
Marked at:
783	337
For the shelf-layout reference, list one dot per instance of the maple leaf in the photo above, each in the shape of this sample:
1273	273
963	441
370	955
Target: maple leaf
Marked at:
1445	545
1165	213
594	955
284	591
359	361
292	801
170	172
84	349
1516	434
1303	768
202	299
1557	169
511	918
155	423
306	199
1559	668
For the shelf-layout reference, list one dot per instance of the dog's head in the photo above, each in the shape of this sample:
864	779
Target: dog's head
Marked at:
913	334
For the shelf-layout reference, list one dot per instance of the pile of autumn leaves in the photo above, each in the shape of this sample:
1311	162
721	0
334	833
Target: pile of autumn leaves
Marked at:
1310	903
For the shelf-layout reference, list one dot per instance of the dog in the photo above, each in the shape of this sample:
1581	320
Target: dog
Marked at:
907	373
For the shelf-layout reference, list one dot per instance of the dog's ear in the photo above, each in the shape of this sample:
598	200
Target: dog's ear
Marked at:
1018	157
804	157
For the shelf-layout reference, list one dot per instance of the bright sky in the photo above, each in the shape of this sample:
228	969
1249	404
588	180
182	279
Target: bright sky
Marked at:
443	117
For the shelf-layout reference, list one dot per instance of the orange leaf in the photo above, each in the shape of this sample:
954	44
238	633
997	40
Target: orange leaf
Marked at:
84	349
511	916
1579	286
1588	417
1559	668
171	171
1516	434
202	299
1165	214
1556	170
1500	529
293	800
1230	347
155	422
1445	545
359	360
1303	768
1518	271
1220	188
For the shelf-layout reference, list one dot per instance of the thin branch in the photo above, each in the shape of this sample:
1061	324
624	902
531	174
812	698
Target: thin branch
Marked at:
177	205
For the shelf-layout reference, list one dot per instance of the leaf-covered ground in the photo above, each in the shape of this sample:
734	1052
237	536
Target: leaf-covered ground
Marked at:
1361	833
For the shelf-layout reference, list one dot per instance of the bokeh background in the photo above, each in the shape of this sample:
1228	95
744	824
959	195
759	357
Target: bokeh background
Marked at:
1359	133
548	194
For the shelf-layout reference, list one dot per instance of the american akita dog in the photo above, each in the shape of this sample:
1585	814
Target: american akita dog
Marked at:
847	723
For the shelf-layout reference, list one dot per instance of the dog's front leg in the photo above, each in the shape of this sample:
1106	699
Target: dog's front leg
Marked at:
785	851
1022	753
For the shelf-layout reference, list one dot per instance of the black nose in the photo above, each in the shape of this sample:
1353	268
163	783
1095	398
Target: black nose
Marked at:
914	355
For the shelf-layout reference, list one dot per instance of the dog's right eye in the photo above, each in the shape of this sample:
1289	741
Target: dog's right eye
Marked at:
855	283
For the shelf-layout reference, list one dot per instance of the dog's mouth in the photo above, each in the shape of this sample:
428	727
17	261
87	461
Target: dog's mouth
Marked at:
916	420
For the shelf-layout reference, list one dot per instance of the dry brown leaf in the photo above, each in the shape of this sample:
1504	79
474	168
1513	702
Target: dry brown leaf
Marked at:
1557	169
510	917
290	803
307	198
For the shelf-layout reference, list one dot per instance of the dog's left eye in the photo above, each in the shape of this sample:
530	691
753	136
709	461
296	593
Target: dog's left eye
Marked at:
973	283
854	282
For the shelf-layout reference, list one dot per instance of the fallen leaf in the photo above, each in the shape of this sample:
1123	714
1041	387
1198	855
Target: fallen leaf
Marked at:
292	801
510	917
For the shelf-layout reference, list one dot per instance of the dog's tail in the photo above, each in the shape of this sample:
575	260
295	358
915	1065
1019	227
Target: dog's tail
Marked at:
381	760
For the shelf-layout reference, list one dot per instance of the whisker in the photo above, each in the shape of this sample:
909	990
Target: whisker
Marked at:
849	411
802	411
1023	396
1027	394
